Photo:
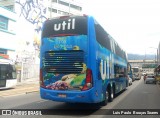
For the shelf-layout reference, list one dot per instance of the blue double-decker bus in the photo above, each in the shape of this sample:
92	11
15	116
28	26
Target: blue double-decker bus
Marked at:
80	62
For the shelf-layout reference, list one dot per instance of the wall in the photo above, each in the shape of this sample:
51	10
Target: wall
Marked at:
8	36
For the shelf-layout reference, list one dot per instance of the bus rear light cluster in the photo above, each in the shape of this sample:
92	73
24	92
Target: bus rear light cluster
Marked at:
89	82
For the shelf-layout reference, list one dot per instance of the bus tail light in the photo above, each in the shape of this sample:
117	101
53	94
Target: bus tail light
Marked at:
89	82
41	79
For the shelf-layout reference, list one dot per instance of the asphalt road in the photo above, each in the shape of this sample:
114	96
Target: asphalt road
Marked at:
137	96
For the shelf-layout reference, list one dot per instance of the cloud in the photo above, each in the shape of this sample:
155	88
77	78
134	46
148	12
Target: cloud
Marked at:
134	24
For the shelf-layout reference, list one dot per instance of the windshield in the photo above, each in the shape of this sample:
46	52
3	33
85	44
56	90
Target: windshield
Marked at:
7	71
135	70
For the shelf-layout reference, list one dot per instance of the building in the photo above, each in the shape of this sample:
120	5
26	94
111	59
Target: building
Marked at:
35	12
31	14
63	7
8	32
158	54
9	4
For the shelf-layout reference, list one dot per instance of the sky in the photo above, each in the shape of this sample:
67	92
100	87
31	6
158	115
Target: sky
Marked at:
134	24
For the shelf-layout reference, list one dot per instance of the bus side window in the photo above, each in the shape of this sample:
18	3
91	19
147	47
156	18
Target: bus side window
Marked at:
116	69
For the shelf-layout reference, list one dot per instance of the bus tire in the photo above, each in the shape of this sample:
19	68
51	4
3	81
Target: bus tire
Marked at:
111	94
105	101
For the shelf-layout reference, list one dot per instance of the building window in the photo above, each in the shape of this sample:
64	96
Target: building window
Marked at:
63	13
3	51
53	10
54	1
49	9
63	3
10	7
75	7
3	23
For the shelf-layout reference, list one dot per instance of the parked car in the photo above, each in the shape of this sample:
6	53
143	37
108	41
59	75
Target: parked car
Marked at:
133	79
150	79
129	80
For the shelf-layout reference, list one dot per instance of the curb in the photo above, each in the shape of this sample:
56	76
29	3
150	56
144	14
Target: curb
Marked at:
19	90
18	94
32	92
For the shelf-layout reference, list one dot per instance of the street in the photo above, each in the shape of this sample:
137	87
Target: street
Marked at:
136	96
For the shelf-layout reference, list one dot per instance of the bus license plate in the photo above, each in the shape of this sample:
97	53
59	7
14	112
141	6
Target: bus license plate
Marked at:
62	95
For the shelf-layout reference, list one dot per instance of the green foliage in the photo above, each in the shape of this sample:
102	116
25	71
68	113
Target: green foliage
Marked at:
79	80
48	76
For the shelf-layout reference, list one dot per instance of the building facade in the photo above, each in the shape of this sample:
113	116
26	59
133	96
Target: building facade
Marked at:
9	4
8	32
63	7
30	16
21	38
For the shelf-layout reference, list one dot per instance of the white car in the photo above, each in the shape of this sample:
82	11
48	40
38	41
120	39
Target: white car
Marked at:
150	79
129	80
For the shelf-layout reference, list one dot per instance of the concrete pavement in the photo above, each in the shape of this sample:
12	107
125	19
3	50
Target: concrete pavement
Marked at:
25	87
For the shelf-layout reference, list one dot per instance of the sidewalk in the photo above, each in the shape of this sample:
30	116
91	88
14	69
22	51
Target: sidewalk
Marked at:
25	87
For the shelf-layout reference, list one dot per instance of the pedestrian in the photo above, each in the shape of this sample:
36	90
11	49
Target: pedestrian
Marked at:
145	76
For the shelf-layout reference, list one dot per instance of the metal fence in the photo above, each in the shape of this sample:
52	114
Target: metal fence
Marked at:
27	71
30	70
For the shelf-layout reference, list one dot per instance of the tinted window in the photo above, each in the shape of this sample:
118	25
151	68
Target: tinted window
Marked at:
7	71
120	52
135	69
102	37
3	23
65	26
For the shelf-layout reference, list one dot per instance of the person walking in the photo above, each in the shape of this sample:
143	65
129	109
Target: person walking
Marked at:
145	76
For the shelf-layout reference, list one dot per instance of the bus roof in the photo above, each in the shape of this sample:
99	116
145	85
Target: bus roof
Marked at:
5	61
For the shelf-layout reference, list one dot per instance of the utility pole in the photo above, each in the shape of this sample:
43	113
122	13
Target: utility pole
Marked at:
156	57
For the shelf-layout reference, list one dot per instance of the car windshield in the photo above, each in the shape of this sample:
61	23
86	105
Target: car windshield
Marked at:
150	76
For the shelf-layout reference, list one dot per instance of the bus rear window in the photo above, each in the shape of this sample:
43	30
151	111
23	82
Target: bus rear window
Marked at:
65	26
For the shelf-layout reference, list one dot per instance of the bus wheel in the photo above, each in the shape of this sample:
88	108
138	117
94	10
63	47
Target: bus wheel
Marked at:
111	94
105	101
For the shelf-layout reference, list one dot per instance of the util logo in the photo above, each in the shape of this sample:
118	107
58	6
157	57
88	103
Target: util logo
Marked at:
65	25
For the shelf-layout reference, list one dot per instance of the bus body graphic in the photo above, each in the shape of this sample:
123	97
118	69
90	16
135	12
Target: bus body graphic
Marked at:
78	62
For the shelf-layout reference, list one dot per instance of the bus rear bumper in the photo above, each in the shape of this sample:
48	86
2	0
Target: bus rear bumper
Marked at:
88	96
